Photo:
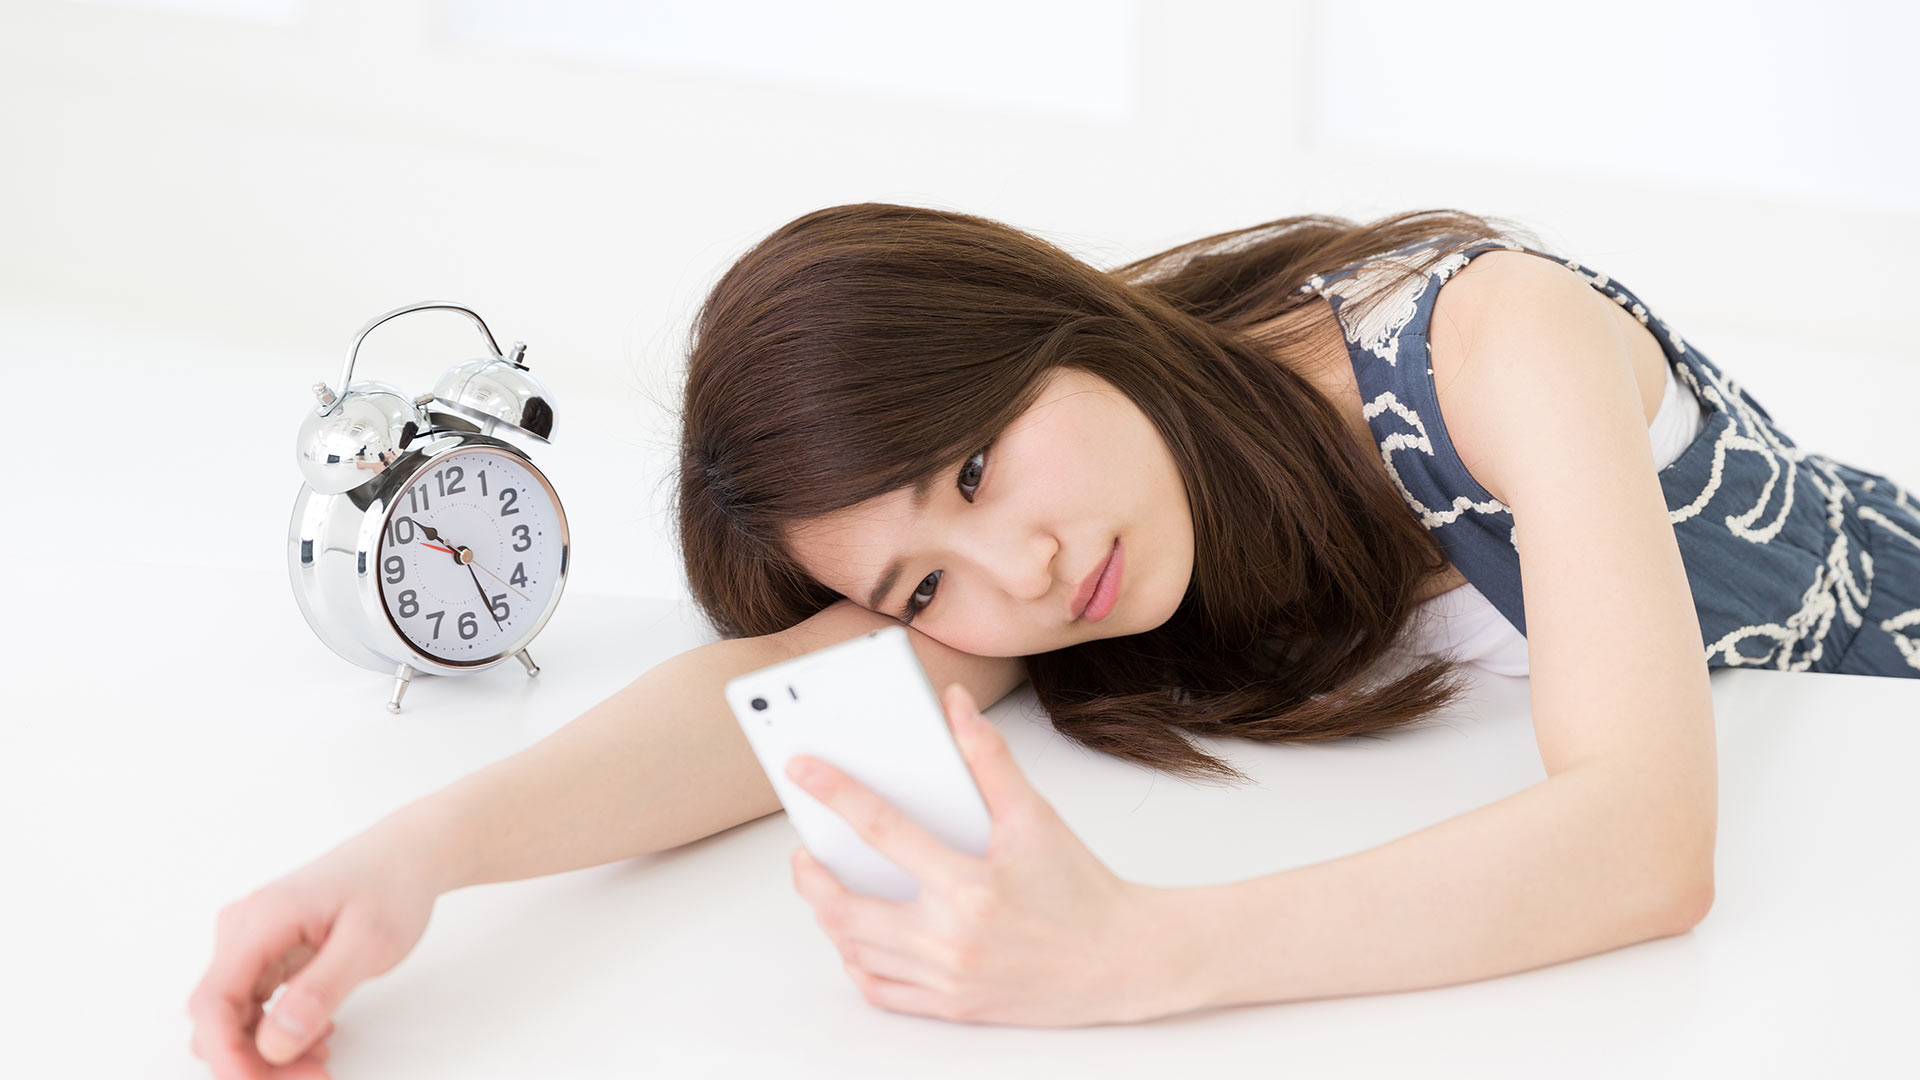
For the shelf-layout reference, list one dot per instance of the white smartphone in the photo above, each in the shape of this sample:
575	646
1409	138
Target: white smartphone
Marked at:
866	707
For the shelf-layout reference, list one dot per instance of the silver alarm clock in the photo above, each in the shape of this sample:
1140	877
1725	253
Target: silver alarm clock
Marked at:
424	538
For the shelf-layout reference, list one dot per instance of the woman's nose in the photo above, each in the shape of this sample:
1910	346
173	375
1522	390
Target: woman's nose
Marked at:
1022	566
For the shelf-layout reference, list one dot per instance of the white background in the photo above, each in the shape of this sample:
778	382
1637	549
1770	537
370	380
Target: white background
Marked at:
257	184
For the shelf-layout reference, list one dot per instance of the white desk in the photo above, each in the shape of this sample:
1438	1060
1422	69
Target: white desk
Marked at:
174	737
139	804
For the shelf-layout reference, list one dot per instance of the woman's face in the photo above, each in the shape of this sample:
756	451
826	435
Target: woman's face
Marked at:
995	559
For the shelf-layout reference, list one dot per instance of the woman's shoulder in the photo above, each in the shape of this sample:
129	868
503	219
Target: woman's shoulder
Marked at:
1471	294
1503	311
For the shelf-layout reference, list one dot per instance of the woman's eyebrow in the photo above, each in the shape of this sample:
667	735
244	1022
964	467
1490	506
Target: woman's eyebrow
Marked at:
880	591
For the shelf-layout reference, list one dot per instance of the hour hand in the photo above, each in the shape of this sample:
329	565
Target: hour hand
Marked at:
433	535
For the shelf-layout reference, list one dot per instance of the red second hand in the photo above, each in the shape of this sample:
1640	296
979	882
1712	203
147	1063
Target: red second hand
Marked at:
437	547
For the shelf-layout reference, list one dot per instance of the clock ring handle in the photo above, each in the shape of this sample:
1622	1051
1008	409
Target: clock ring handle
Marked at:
346	373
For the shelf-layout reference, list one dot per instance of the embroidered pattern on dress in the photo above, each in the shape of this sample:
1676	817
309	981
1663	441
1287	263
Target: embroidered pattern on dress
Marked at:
1837	590
1833	590
1894	625
1378	328
1400	440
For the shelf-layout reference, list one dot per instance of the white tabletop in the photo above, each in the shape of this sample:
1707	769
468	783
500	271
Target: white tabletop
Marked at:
174	737
142	796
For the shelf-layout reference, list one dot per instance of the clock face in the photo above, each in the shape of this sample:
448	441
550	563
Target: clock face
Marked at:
471	555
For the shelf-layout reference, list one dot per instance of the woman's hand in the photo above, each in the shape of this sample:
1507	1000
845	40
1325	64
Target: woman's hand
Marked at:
1038	933
350	915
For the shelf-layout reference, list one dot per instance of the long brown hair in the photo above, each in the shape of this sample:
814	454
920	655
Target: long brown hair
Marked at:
862	349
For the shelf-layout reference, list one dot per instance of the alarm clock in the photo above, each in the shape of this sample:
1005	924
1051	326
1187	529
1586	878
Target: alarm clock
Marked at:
424	538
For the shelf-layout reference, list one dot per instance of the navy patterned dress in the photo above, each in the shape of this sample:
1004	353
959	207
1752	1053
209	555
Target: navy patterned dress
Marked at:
1796	561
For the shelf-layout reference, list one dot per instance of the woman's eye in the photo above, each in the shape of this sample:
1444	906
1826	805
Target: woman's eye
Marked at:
914	604
981	457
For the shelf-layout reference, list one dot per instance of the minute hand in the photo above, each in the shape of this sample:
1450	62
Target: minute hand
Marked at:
483	596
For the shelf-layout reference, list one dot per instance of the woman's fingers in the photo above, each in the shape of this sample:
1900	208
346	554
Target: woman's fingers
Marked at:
278	972
241	1060
223	1035
320	1049
285	957
889	964
253	956
349	954
251	947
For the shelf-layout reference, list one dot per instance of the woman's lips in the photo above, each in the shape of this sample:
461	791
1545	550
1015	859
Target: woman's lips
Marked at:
1101	588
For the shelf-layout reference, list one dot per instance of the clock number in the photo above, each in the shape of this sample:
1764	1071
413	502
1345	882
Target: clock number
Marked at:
501	612
400	530
454	487
436	616
417	499
409	604
483	483
469	626
509	497
519	575
526	539
396	568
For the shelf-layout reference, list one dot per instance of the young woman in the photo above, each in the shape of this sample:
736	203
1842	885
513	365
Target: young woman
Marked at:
1277	483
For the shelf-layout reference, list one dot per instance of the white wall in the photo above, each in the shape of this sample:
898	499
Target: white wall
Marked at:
204	199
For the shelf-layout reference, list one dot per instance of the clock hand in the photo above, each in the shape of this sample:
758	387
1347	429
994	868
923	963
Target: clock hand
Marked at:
433	535
464	556
484	602
503	581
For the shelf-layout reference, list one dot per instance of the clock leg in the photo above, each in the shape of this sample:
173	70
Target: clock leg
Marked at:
401	679
527	659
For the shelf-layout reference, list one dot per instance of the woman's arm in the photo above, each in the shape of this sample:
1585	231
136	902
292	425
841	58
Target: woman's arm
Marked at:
659	764
1616	845
1563	869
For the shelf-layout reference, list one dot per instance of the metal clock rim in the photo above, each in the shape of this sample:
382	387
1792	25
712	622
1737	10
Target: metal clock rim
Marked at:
373	526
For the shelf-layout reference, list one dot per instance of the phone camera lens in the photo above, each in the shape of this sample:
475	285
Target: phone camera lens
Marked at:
759	704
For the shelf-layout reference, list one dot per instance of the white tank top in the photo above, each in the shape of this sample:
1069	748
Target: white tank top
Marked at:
1464	624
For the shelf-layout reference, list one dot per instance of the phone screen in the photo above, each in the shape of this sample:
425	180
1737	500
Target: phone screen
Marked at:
866	707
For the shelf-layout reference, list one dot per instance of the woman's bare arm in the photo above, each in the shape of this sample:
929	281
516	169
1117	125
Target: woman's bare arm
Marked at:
658	764
1616	846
